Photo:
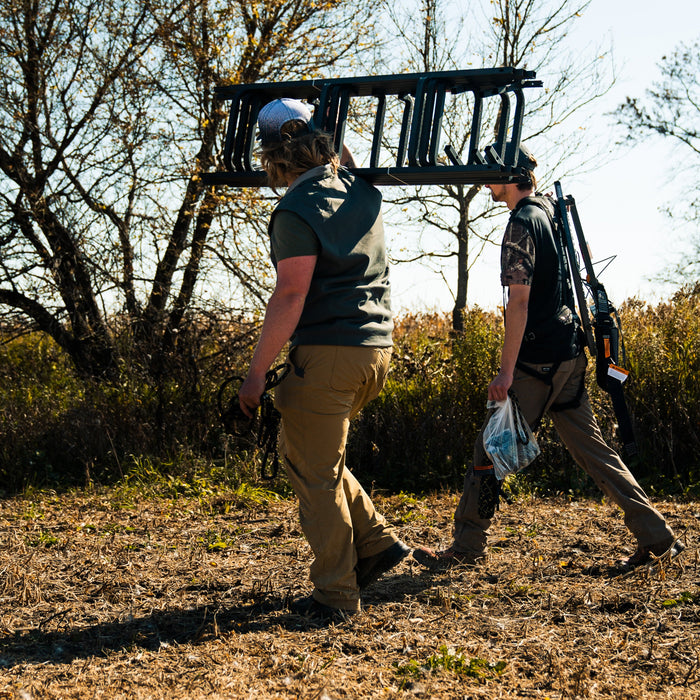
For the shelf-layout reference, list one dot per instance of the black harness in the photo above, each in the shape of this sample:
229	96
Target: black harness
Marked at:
566	299
236	422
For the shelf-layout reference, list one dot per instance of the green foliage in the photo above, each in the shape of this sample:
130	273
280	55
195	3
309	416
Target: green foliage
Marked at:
218	489
663	347
418	435
165	435
215	541
58	429
43	539
447	660
685	598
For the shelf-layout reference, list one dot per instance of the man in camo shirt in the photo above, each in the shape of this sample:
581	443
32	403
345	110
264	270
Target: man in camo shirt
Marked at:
543	365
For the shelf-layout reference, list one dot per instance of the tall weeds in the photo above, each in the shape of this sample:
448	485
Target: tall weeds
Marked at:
419	434
56	429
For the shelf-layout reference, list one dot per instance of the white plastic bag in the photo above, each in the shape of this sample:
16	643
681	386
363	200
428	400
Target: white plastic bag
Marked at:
508	440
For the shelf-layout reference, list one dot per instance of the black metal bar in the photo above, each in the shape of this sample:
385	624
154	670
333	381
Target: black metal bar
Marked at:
323	107
423	140
576	277
378	131
405	125
341	119
438	111
583	246
418	175
424	97
329	118
517	128
504	120
417	121
249	144
474	154
367	86
603	334
452	155
250	105
231	133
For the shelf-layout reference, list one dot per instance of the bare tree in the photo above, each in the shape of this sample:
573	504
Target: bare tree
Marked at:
671	109
519	33
108	121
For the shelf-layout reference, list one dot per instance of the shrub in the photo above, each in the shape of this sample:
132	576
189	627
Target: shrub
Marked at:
58	429
663	348
418	435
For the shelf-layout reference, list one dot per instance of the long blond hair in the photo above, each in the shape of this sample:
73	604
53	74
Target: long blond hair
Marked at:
296	154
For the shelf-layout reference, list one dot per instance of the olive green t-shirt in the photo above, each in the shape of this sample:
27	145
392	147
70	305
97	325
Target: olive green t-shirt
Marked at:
338	219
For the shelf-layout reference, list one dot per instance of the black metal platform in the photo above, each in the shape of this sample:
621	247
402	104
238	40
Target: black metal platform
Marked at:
417	160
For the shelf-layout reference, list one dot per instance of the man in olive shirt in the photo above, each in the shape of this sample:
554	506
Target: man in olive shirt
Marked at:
543	365
332	300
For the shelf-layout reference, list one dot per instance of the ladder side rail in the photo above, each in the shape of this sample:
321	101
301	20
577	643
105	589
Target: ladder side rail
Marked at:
426	175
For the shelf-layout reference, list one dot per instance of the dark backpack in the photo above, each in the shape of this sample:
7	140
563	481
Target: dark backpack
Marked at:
559	337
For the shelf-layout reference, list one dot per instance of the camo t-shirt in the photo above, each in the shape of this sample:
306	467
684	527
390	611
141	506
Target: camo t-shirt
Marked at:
517	255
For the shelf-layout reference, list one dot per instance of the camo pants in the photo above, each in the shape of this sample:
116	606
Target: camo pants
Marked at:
579	431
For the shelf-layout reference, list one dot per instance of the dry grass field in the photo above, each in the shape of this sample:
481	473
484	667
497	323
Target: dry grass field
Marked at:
116	594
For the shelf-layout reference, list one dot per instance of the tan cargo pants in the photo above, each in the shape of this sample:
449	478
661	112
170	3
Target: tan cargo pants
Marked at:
327	387
581	435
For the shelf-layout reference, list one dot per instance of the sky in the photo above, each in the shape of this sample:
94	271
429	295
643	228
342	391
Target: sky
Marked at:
619	201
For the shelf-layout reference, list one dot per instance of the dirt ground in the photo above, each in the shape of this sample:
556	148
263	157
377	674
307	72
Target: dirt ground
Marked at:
108	595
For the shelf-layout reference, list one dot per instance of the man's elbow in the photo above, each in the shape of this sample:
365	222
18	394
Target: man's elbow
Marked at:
290	297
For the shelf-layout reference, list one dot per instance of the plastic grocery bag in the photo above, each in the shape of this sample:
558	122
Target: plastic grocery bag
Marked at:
508	440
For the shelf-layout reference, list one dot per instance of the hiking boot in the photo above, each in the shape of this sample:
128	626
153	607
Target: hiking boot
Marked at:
312	608
445	559
644	555
370	569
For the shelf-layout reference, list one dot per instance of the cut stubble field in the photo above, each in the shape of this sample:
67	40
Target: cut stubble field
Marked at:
112	594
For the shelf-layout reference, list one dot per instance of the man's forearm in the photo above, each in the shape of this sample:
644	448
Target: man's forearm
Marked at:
281	318
516	320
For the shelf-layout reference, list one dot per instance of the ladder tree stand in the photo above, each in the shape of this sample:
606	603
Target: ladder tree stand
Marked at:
416	156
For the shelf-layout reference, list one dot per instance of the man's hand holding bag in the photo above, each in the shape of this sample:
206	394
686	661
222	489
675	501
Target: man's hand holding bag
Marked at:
508	440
